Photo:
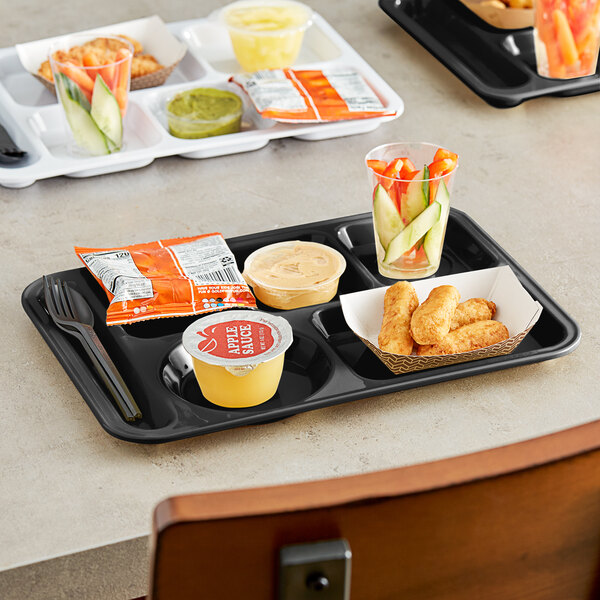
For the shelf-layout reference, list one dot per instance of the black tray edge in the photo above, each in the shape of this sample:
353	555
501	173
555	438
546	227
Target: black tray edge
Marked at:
97	399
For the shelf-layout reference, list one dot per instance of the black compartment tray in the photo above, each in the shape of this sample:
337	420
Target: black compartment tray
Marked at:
497	64
326	364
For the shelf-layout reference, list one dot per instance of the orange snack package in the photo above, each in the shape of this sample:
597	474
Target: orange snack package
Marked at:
311	96
168	278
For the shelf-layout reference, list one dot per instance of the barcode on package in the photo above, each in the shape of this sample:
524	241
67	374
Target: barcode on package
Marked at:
208	260
353	90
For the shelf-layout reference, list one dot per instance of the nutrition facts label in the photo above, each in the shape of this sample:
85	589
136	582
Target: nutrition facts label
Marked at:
272	89
119	274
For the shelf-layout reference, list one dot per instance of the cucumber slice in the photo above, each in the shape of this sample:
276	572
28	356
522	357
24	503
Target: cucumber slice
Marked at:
416	199
412	233
84	128
76	107
68	87
434	239
388	223
106	112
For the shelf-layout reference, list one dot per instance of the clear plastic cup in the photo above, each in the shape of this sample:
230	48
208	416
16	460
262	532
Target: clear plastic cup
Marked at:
410	186
92	75
266	34
566	37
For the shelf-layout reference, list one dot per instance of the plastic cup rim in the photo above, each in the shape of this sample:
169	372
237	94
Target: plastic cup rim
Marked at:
379	175
275	322
276	33
336	275
60	43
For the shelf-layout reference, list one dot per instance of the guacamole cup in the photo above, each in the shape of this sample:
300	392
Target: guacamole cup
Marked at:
204	112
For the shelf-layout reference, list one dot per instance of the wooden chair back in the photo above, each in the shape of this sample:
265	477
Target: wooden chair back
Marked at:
516	522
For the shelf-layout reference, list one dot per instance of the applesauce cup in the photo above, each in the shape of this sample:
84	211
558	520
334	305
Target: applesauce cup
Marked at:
238	355
410	187
92	90
566	38
266	34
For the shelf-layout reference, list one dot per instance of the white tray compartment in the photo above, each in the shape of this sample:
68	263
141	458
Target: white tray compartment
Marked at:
31	113
209	42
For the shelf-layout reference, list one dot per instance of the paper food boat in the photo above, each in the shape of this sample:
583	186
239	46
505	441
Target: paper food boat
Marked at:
515	308
151	32
503	18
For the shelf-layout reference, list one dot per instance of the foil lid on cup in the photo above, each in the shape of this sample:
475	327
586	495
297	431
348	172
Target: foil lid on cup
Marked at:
238	340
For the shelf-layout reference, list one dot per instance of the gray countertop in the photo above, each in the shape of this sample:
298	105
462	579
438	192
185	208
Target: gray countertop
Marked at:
77	503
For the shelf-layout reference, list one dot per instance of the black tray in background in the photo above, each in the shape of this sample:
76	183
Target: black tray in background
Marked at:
326	364
497	64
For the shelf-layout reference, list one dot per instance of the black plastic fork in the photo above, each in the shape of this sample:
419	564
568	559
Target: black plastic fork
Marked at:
71	312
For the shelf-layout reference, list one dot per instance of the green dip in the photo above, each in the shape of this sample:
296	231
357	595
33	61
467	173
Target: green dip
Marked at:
204	112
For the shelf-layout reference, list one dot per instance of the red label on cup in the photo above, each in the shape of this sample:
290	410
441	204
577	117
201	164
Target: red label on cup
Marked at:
236	339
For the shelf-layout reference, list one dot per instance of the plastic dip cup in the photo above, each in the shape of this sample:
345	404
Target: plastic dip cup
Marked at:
238	356
410	186
204	112
566	37
294	274
91	75
266	34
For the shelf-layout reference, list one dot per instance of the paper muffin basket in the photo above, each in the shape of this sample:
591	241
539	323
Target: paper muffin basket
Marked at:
363	312
151	32
137	83
502	18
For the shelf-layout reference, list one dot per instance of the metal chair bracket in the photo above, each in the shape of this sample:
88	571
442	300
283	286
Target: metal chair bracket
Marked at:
315	571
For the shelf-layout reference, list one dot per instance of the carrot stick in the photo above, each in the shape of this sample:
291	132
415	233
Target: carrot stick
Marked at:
108	74
77	75
566	43
90	61
79	78
588	52
122	78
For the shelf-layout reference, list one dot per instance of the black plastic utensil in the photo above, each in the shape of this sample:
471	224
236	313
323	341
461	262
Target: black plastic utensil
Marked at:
10	153
71	312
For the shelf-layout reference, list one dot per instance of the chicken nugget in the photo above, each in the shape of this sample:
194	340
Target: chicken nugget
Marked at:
468	337
474	309
399	303
431	321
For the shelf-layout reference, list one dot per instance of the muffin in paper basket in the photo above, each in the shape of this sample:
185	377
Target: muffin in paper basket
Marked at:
363	312
151	32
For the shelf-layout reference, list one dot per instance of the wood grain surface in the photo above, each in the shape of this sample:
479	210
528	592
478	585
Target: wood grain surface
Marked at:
516	522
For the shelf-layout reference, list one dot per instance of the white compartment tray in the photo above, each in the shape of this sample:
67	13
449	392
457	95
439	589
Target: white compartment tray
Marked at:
32	116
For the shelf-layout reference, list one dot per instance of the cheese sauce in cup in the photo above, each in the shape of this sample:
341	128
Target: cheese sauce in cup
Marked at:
238	356
294	274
